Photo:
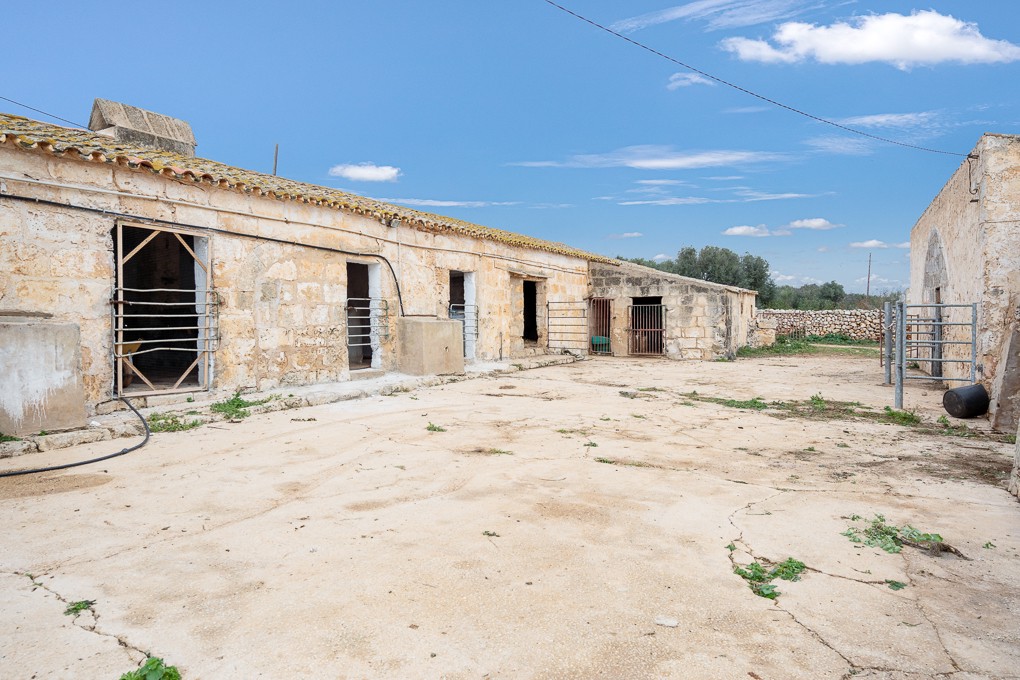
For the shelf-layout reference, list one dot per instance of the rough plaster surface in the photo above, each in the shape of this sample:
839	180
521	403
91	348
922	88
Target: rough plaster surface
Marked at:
346	540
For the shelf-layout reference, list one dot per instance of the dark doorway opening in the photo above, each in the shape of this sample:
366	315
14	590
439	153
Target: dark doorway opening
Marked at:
530	311
359	317
456	288
600	320
647	326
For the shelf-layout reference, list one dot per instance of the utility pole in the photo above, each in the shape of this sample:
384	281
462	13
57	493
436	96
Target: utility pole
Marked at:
276	157
867	290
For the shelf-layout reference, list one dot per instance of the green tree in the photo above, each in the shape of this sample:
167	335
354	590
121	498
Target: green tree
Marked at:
720	265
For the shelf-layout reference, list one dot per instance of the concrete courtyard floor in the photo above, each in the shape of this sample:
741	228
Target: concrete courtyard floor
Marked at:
573	521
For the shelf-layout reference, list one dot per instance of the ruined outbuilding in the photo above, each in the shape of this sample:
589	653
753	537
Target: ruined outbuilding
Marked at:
180	274
966	249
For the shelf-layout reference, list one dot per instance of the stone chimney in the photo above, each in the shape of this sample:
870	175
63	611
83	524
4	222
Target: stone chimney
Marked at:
137	126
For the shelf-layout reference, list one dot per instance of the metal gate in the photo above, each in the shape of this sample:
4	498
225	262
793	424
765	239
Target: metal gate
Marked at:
567	324
600	316
646	334
929	336
468	316
368	322
165	337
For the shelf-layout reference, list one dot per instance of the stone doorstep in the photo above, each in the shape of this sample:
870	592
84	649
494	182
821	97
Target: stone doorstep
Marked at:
123	423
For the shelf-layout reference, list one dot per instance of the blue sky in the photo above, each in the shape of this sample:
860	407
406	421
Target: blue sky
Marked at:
516	115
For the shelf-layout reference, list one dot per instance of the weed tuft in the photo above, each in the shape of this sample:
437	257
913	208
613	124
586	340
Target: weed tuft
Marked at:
153	669
432	427
901	417
75	608
8	438
759	579
237	406
171	422
878	534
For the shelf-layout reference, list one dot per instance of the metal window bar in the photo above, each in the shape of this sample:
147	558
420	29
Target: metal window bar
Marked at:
468	316
600	326
920	337
646	335
368	319
130	324
567	325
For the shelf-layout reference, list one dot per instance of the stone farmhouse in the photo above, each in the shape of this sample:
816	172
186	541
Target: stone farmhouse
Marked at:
131	267
966	249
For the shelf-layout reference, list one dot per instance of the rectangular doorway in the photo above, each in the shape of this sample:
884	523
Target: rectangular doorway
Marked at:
464	309
362	317
164	311
600	317
530	333
647	332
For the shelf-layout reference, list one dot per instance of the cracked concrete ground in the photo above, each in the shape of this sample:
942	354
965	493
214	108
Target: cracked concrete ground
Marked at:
559	515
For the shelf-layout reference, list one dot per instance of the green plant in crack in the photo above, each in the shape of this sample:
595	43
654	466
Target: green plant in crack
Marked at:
75	608
432	427
759	578
879	534
237	406
153	669
817	402
895	585
8	438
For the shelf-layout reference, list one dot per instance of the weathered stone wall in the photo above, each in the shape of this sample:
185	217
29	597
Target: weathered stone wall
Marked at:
859	324
967	245
282	318
703	320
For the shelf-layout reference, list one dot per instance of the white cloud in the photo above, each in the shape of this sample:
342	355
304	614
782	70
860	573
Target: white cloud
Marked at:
718	14
892	120
365	172
434	203
845	146
661	182
726	178
871	243
746	109
626	234
674	200
783	278
655	157
816	223
923	38
741	195
661	257
905	245
678	80
823	249
757	232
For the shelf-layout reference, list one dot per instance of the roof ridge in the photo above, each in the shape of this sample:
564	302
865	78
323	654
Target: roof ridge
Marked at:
96	147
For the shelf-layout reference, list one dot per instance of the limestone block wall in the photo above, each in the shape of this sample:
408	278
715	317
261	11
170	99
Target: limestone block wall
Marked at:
703	320
965	249
279	269
859	324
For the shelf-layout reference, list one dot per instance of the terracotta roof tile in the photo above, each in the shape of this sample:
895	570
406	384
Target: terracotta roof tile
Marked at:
31	134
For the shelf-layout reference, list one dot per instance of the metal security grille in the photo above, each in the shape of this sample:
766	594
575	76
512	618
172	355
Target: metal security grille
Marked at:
368	321
568	325
646	335
600	318
929	336
468	316
162	336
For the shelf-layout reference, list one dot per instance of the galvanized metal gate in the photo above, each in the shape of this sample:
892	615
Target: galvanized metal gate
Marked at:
646	333
468	316
164	337
929	336
600	319
368	322
567	325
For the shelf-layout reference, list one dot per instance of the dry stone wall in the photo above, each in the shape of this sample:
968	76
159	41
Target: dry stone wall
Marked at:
859	324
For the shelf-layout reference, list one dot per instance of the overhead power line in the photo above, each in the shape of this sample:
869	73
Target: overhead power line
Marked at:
727	83
32	108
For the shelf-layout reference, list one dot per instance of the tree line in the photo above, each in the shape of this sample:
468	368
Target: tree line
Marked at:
722	265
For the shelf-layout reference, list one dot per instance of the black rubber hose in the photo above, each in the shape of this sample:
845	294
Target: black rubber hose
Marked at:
16	473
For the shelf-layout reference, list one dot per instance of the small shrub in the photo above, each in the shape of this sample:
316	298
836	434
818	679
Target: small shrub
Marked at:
432	427
817	402
8	438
